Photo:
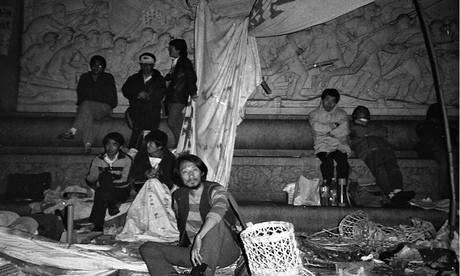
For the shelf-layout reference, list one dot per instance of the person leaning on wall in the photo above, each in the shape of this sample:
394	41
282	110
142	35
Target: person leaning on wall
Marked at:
181	82
145	91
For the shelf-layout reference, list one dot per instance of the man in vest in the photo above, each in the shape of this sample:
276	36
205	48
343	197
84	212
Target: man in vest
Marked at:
206	241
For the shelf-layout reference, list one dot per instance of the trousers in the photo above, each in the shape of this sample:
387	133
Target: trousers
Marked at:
327	164
106	194
384	167
87	113
219	248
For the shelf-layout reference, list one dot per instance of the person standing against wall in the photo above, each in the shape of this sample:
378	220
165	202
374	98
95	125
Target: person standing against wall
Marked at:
181	84
145	91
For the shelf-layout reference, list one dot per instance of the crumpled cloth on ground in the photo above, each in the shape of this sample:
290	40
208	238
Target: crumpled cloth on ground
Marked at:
151	217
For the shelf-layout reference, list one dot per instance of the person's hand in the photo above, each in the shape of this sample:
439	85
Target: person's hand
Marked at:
195	253
152	173
143	95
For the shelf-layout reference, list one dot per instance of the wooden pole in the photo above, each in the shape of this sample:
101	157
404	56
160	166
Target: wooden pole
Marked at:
440	99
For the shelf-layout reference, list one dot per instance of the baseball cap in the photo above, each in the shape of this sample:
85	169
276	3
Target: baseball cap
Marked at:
146	59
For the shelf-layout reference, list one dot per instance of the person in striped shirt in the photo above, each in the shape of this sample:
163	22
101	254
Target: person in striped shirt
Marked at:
108	176
206	240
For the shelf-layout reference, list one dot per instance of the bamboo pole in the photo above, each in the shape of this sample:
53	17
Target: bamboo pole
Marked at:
440	99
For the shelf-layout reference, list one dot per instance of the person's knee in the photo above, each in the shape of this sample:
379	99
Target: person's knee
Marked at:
148	249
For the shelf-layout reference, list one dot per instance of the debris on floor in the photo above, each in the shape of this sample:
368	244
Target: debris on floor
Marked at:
361	247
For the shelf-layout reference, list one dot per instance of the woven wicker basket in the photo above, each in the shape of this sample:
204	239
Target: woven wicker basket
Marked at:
272	249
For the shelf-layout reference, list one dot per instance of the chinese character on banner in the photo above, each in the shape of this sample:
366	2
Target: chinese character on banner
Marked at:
6	25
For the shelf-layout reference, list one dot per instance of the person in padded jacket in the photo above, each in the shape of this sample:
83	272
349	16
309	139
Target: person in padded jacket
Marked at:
329	126
181	84
145	91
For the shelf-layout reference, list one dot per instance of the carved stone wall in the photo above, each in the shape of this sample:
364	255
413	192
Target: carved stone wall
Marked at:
375	56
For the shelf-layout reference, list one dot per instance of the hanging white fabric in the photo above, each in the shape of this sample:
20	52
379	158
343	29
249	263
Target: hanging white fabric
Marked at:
228	70
278	17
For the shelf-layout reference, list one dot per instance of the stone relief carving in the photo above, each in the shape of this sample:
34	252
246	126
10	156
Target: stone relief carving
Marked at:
375	55
60	37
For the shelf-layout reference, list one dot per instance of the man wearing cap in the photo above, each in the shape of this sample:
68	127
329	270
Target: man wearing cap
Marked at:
145	91
369	143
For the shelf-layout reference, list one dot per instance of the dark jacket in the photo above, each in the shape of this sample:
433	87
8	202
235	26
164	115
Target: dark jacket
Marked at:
155	87
367	138
101	90
142	164
182	82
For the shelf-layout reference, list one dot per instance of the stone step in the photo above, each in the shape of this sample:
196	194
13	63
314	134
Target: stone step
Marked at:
252	177
275	133
312	219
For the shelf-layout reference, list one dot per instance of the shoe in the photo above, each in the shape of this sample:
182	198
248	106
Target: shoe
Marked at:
402	197
97	228
114	211
67	137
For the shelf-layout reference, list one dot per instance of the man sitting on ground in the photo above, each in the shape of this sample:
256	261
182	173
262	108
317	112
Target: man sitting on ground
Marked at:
206	241
108	176
150	217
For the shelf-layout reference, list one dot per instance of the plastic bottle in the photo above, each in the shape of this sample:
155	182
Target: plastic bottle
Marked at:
342	192
324	193
333	193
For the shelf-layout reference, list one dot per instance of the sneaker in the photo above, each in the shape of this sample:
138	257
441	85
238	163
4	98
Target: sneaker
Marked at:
402	197
67	137
113	210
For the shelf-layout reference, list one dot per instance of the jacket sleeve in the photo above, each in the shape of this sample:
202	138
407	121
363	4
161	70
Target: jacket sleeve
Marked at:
130	89
342	129
139	167
191	77
219	203
112	91
81	89
93	174
166	170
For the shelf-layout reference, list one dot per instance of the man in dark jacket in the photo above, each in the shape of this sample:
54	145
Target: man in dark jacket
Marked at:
368	142
206	240
145	91
155	161
181	84
96	98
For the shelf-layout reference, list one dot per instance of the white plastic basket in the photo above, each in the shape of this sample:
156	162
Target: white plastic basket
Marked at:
272	249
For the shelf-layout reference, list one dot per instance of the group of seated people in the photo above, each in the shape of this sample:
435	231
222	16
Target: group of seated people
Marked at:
335	137
186	222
